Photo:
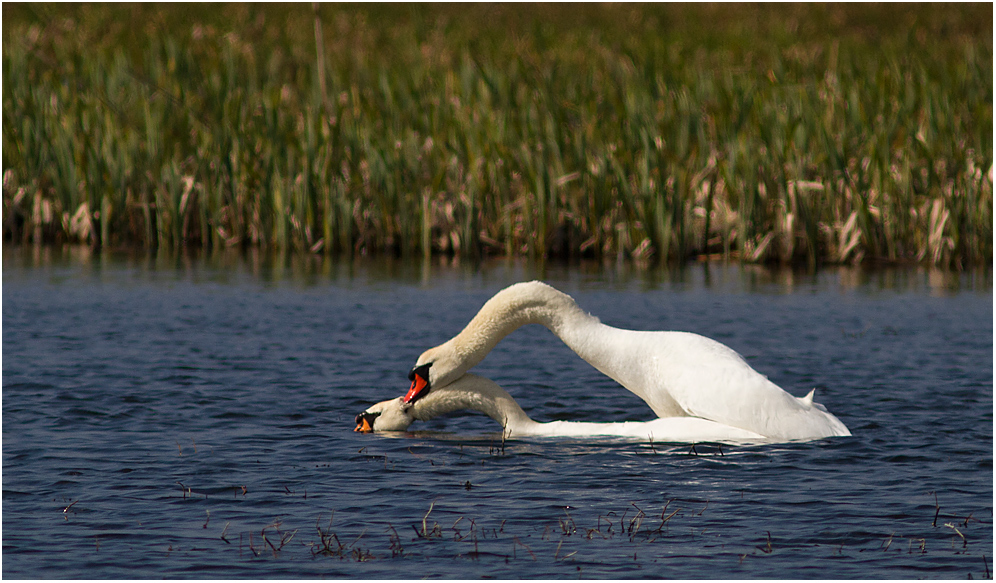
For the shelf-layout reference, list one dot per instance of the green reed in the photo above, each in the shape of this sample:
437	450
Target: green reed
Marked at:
802	134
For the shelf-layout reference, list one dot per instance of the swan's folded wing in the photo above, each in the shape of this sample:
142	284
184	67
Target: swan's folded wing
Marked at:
710	380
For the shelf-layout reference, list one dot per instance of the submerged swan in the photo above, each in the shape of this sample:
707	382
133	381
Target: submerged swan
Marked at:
679	374
480	394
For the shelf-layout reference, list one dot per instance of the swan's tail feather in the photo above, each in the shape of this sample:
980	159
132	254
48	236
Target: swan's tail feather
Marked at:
808	399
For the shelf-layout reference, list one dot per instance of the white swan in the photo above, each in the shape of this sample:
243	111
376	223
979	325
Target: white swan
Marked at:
480	394
679	374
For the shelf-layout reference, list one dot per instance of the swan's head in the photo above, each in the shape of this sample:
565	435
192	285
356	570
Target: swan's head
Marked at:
422	382
512	307
436	368
467	392
390	415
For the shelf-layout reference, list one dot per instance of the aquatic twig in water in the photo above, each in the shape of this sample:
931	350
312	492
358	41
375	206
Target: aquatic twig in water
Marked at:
275	526
591	531
923	543
396	549
516	541
766	549
426	517
669	516
637	521
498	451
285	537
887	543
65	511
568	527
327	538
224	531
274	549
357	539
964	541
473	533
426	533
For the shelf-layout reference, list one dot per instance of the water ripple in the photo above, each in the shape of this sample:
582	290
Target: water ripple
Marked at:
160	425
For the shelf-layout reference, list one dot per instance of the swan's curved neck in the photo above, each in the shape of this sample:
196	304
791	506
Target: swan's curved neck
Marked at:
518	305
477	394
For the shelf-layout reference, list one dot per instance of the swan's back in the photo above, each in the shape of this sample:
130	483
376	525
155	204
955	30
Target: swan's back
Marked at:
685	374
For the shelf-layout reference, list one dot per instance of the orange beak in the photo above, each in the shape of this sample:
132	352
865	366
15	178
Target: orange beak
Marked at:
363	424
419	384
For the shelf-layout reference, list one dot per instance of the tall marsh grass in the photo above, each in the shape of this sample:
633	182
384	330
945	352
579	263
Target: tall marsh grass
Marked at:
800	133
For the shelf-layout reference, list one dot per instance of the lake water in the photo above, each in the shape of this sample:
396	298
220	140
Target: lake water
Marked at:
193	417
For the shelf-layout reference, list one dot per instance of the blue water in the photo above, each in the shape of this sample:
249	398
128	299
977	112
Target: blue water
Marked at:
192	417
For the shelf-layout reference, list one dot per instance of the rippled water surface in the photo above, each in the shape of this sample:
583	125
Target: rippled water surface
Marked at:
193	418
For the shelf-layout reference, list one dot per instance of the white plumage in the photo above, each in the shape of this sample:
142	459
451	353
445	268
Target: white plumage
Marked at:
679	374
483	395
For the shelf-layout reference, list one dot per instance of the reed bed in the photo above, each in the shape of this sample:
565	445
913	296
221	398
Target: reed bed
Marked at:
798	134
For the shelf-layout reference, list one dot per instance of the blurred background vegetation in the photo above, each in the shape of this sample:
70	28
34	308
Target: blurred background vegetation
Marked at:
794	133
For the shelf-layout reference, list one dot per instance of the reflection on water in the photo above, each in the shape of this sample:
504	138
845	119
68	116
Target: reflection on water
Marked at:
309	269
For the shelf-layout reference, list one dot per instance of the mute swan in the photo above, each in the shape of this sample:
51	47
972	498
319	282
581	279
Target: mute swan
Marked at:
679	374
480	394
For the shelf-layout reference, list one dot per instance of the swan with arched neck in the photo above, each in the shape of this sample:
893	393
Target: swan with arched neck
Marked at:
679	374
483	395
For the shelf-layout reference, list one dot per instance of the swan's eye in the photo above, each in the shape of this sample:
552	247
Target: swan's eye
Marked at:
365	421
